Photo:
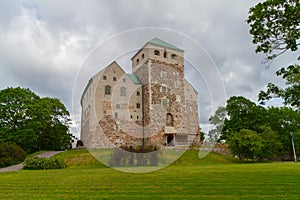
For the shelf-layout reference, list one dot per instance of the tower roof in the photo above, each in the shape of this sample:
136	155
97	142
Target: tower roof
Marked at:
134	78
162	43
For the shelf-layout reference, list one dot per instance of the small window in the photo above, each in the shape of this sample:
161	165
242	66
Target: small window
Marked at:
174	56
138	105
104	77
137	61
143	56
118	106
163	74
137	117
124	80
114	78
123	91
169	120
163	89
165	54
164	102
107	89
138	93
131	116
156	52
116	115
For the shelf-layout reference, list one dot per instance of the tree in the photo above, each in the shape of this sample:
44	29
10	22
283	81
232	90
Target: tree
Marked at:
32	122
14	117
274	25
242	114
271	144
284	121
246	144
52	122
290	94
202	135
217	120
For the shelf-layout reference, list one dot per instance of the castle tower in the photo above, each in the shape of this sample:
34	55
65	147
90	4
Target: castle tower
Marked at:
160	67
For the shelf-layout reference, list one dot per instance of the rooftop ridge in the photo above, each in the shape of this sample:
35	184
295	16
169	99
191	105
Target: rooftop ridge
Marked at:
162	43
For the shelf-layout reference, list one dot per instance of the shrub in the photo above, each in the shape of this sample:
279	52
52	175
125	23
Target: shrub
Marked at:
11	154
43	163
138	155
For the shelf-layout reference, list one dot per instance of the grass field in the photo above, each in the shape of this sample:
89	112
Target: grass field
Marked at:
214	177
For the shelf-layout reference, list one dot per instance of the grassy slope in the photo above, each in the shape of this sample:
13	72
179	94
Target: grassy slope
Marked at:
213	177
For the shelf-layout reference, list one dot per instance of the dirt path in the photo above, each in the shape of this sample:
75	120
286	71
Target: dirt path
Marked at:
17	167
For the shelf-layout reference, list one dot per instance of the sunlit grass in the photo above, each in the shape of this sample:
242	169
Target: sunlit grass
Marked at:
214	177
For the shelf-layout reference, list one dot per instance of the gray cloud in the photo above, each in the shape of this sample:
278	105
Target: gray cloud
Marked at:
44	43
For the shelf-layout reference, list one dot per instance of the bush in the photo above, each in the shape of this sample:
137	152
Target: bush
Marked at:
43	163
11	154
138	155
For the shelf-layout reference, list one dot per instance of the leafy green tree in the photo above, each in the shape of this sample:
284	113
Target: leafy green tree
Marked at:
284	121
242	114
274	25
32	122
271	145
15	115
291	93
246	144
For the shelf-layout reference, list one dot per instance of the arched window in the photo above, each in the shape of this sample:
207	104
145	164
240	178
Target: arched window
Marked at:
170	120
138	93
123	91
107	89
174	56
156	52
137	61
165	54
143	56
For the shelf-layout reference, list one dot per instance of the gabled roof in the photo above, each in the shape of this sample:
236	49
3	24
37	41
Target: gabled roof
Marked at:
134	78
162	43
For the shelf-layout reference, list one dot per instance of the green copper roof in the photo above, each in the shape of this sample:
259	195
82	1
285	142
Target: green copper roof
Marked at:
134	78
161	43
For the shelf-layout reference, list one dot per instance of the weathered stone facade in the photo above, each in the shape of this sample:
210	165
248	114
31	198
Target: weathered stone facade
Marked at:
153	106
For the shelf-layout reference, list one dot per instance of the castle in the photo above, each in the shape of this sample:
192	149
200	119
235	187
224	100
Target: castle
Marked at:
154	105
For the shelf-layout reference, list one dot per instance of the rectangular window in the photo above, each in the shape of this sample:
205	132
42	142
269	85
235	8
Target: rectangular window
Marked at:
104	77
116	115
123	91
163	74
138	105
118	106
107	89
163	89
164	102
114	78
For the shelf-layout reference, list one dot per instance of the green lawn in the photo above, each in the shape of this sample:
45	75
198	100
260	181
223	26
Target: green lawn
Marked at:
214	177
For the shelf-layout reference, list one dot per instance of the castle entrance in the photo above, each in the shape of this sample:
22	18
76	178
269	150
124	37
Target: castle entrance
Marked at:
170	140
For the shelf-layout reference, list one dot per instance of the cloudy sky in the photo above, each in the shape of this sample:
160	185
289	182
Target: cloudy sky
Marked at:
46	45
